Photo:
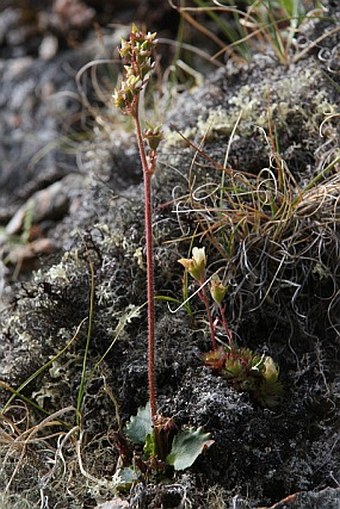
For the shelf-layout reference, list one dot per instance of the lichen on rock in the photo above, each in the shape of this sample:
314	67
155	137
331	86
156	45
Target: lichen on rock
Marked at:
260	455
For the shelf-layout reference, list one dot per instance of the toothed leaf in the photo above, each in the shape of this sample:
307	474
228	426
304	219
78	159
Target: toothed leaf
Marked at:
139	426
187	446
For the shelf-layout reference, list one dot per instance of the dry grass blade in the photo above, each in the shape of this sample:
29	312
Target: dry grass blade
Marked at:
18	442
276	241
322	201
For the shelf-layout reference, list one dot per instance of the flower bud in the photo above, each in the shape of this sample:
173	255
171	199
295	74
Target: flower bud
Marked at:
119	99
217	289
153	137
270	371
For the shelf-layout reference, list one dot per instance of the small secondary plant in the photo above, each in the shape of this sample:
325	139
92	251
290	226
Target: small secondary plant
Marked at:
148	426
245	370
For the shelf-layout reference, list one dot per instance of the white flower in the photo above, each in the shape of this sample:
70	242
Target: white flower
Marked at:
195	265
198	255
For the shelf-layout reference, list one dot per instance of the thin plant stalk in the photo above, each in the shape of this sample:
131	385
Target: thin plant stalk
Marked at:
226	327
136	53
203	296
147	174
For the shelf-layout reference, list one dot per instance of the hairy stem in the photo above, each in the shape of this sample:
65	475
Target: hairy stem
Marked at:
147	174
203	296
226	327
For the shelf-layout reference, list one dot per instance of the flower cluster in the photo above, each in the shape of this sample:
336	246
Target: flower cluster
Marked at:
136	53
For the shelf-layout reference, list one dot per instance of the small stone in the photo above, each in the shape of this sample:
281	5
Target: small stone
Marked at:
48	203
48	47
115	503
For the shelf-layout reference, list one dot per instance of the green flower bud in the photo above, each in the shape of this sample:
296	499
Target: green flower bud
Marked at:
119	99
217	289
270	370
153	137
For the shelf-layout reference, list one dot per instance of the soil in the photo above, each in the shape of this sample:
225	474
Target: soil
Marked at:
72	275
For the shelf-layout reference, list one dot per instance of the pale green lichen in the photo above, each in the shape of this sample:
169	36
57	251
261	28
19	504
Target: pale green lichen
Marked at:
112	237
58	272
252	106
138	255
176	139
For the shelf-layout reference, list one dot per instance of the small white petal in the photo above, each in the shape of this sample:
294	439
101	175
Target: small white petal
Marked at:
198	255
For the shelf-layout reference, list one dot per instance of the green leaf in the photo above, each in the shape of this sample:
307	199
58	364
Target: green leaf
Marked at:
187	446
139	426
150	447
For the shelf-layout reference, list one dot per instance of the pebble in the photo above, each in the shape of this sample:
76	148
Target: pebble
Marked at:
49	203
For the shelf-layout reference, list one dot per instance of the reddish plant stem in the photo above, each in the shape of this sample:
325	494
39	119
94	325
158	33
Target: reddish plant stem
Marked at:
226	327
147	174
203	296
